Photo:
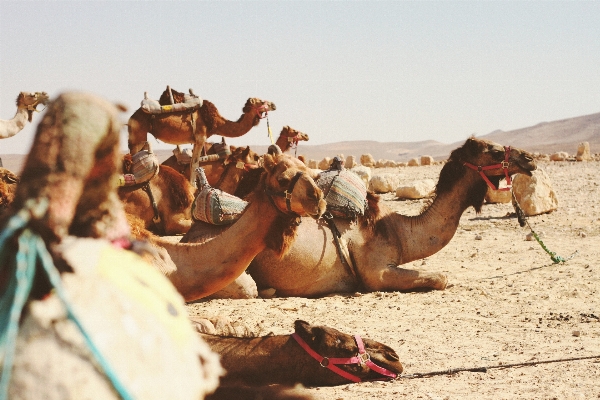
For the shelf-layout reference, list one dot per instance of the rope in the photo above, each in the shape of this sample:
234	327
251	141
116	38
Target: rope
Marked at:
523	220
485	369
269	128
23	264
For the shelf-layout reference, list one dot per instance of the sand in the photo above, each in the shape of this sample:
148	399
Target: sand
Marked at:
506	303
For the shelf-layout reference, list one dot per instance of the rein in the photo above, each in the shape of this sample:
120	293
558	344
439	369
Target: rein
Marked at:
504	165
362	358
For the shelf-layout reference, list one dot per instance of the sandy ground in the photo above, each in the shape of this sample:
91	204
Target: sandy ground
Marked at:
507	303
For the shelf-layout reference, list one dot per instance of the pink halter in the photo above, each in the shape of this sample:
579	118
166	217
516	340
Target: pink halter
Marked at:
362	358
504	165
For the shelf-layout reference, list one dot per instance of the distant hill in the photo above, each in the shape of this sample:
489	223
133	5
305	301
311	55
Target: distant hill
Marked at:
545	137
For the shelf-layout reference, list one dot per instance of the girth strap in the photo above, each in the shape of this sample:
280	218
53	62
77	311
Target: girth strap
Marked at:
156	218
336	239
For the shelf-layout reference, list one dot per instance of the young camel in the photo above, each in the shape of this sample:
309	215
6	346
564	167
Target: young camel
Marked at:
194	126
286	192
375	245
280	359
289	138
27	103
134	339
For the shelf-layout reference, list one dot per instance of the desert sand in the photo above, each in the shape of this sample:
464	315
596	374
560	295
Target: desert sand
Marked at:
507	303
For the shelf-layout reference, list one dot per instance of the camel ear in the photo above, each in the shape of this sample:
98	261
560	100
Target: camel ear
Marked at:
303	329
246	151
269	162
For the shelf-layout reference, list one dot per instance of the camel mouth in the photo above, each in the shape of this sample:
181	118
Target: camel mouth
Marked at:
527	164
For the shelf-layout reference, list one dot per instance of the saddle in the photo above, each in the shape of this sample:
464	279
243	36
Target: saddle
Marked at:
215	206
190	102
144	165
344	191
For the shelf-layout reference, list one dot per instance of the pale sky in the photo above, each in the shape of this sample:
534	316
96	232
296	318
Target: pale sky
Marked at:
389	71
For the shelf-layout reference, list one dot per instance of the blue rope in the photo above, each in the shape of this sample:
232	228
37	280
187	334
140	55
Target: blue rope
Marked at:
32	249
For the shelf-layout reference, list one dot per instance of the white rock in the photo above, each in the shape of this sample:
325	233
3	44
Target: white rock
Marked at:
417	190
535	194
324	163
350	162
427	160
559	156
498	196
384	183
367	160
364	173
583	152
413	162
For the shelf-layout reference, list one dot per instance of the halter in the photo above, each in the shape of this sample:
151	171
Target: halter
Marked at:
287	194
362	358
504	165
262	111
33	107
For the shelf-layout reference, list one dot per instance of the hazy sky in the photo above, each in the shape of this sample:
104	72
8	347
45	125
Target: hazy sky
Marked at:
337	70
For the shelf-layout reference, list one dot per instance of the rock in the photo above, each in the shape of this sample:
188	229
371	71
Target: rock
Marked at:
413	162
324	163
390	164
380	163
583	152
498	196
559	156
427	160
535	194
267	293
367	160
243	287
350	162
312	164
417	190
384	183
363	172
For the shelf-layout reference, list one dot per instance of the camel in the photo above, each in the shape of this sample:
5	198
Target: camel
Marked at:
27	103
193	127
286	192
289	138
97	322
375	245
8	187
284	359
243	159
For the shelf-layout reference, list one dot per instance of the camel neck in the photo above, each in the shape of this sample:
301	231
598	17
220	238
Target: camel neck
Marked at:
204	268
425	234
236	128
13	126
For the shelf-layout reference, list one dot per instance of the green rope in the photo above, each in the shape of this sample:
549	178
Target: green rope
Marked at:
22	267
523	220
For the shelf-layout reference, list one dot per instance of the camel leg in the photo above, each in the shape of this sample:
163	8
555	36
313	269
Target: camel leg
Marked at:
392	278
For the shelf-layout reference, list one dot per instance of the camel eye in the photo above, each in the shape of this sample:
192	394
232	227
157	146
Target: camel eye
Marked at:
283	182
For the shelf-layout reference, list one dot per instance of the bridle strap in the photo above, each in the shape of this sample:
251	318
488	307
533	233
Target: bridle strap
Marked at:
504	165
287	194
262	110
362	358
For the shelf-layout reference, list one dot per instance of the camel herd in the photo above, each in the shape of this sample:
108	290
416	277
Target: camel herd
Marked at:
127	285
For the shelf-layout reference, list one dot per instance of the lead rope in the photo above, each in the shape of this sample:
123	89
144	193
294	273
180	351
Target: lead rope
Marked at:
523	220
31	250
269	128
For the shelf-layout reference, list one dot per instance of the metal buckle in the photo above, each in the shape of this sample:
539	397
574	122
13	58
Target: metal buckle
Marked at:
288	195
240	165
505	164
324	362
363	358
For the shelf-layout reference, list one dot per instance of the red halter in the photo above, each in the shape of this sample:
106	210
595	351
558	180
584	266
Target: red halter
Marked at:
504	165
262	110
362	358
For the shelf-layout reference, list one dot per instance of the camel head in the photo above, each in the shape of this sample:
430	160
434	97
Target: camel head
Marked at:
244	155
258	107
74	164
30	101
292	189
293	135
488	161
331	343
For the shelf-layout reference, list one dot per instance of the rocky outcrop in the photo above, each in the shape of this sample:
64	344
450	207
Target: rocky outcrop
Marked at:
384	183
416	190
367	160
583	152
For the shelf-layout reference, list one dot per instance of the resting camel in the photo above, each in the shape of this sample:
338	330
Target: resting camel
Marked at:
283	359
27	103
286	192
243	159
133	338
193	127
8	187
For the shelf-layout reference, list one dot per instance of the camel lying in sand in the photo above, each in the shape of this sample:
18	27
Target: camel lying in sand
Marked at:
99	322
286	192
27	103
376	244
195	127
283	359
